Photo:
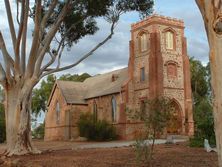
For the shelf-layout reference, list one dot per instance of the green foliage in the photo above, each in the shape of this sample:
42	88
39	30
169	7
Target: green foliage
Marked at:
80	19
204	124
2	124
203	112
39	132
199	84
41	95
99	130
75	77
155	114
196	142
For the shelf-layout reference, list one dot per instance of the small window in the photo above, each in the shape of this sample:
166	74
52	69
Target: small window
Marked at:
142	74
95	111
57	113
143	42
169	40
114	108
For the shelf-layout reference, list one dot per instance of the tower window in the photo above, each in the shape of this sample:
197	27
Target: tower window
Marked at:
143	42
169	40
114	108
142	74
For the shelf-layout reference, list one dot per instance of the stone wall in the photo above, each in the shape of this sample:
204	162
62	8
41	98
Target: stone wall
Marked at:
66	127
104	111
165	69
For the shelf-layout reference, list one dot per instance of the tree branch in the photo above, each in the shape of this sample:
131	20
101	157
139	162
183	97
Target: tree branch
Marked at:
10	22
24	35
18	41
35	42
9	64
54	55
2	74
57	69
48	14
50	35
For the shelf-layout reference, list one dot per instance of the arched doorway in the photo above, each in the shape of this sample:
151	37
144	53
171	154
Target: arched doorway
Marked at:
175	123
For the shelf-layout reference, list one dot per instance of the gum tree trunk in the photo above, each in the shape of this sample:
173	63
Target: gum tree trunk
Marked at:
18	121
211	11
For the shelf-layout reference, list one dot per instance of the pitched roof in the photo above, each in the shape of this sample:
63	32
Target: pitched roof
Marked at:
99	85
73	92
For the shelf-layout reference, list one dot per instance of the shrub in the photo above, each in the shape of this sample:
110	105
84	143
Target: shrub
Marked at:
204	124
156	114
196	142
99	130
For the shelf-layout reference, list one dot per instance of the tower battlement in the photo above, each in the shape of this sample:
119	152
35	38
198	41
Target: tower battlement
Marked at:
158	19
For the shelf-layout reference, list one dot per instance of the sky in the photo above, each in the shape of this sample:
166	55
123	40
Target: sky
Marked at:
115	53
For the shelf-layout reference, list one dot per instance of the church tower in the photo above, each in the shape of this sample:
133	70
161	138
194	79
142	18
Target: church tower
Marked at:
159	66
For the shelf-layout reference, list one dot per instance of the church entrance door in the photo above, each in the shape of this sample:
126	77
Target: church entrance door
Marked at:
175	123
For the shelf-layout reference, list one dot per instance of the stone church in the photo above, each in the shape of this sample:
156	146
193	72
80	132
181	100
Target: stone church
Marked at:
158	66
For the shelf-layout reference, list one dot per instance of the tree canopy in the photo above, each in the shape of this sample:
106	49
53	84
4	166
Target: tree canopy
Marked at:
199	80
202	107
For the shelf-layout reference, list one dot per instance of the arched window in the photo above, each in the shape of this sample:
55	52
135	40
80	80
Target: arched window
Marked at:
143	42
172	70
169	40
57	113
95	111
114	108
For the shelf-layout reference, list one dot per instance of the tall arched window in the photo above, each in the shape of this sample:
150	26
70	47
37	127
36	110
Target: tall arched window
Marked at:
95	111
114	108
169	40
57	113
143	42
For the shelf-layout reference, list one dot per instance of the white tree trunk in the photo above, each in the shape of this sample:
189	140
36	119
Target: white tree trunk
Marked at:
211	11
216	72
18	122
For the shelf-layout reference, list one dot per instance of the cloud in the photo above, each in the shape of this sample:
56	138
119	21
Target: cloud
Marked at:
194	27
115	53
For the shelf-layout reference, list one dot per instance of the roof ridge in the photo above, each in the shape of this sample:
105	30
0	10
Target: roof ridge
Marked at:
107	73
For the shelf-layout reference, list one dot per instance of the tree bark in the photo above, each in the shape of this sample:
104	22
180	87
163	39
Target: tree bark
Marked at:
211	11
18	122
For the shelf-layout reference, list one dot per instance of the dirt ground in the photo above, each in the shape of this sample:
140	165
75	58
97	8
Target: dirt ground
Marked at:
178	155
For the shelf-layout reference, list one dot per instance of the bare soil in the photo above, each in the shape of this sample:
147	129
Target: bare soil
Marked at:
178	155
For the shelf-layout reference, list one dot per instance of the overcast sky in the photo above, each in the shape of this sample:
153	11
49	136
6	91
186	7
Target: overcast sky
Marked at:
115	54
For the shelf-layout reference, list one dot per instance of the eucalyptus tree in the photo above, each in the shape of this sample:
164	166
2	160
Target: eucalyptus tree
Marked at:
211	11
63	21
